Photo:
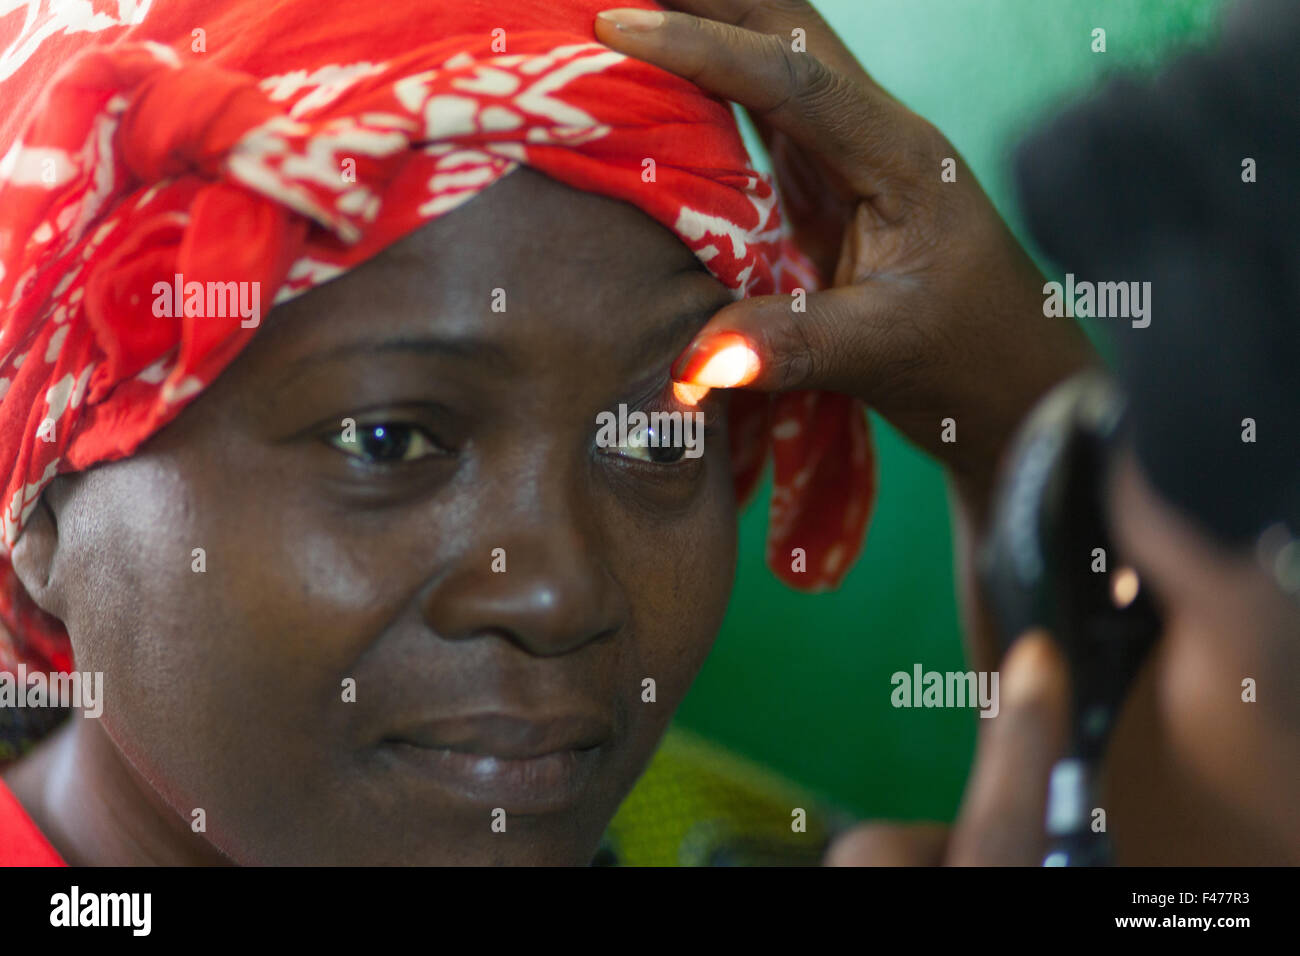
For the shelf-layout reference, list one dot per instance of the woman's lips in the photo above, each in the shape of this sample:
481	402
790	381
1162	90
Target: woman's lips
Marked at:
524	765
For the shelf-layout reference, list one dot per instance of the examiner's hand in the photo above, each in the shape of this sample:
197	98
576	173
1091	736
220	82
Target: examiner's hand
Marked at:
1001	818
936	311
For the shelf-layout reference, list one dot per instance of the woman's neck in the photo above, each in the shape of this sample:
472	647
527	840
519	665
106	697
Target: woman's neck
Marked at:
96	809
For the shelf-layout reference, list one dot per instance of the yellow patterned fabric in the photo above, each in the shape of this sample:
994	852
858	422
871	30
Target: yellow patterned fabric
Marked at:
699	804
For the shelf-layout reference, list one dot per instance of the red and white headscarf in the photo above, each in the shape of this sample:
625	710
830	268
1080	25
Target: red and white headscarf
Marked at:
286	143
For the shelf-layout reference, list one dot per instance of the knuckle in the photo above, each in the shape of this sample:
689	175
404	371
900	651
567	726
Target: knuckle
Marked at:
779	72
817	82
806	83
812	341
831	99
775	48
800	362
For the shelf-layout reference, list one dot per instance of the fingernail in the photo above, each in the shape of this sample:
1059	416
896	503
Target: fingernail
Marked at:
689	394
632	20
725	360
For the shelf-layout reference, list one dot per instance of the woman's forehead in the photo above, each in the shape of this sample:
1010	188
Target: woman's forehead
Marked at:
528	261
528	247
528	222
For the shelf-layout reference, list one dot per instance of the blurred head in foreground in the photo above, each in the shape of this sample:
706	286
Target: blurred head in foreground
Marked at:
1189	182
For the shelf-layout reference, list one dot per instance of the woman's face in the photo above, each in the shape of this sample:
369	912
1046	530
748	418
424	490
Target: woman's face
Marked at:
497	589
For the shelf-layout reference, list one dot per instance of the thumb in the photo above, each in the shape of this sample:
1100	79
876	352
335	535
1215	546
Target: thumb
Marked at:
827	341
1001	819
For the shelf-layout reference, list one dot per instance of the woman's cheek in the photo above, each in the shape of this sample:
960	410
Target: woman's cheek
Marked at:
141	598
1201	696
203	629
702	570
149	617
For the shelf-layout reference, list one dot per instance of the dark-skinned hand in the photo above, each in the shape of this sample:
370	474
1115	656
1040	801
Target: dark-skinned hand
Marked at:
933	310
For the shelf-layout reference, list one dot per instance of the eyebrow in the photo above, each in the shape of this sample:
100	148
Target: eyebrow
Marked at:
683	325
445	346
658	340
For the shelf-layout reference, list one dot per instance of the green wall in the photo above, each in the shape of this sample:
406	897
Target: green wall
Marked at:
800	682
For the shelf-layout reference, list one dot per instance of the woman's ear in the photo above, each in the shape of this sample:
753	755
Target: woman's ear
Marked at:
32	556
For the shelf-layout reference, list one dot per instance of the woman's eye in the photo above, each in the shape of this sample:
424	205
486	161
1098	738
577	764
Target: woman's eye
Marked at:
645	444
389	443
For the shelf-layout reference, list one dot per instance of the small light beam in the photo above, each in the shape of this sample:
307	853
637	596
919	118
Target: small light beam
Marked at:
1124	586
690	394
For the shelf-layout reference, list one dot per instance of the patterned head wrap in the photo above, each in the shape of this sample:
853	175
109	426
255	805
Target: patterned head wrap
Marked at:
286	143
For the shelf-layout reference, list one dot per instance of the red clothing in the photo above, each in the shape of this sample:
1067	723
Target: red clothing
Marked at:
21	843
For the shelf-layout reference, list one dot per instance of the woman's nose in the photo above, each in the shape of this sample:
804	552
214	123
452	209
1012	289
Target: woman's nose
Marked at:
539	579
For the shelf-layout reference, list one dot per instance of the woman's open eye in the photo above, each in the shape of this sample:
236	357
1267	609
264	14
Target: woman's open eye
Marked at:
387	443
666	433
655	446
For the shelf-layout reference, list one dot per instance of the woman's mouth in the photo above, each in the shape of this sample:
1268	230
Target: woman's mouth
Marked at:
523	765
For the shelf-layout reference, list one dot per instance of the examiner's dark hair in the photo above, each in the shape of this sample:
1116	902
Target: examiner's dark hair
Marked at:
1147	181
